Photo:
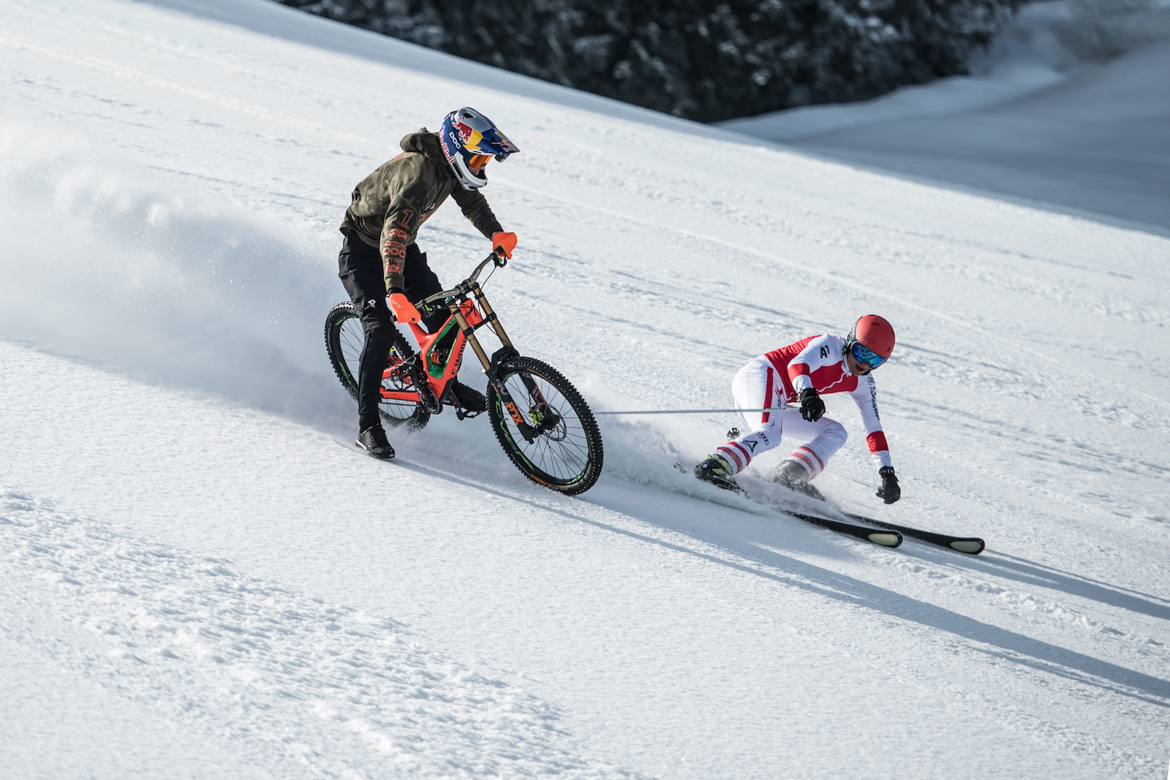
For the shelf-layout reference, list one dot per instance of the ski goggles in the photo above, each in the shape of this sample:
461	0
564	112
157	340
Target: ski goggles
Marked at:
867	356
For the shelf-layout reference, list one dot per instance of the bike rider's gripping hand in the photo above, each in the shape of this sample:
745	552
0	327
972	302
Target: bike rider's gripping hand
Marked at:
889	491
505	241
404	310
812	408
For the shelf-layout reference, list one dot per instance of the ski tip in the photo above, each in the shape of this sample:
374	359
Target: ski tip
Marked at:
969	546
885	538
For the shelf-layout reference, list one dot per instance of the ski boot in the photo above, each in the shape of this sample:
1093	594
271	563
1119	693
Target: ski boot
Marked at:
792	475
717	471
373	441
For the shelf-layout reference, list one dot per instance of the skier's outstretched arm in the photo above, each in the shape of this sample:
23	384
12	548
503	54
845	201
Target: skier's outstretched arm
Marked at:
865	396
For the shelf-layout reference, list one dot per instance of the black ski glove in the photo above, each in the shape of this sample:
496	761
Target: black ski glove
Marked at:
812	408
889	491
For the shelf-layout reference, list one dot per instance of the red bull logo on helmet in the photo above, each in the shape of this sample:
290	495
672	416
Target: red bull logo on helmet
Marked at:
446	151
465	131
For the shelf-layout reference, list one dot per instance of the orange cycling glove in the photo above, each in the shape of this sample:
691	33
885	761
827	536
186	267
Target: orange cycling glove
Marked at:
505	241
404	310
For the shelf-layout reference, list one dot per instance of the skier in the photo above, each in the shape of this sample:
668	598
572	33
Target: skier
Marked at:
792	379
380	264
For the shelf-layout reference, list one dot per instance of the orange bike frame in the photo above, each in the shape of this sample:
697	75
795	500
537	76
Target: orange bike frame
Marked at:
466	317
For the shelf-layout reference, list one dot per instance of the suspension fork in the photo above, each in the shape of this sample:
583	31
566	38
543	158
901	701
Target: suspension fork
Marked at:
492	367
491	318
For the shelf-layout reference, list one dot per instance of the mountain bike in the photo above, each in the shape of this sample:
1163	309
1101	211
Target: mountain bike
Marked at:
539	418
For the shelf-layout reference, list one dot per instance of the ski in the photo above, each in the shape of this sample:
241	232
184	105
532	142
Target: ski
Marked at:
970	545
886	538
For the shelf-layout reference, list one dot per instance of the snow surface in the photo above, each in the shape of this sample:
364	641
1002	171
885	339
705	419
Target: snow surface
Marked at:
202	578
1069	110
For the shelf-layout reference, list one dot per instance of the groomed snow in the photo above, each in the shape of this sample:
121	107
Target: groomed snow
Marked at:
201	577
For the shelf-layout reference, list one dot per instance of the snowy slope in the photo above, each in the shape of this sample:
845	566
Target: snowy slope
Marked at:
201	578
1068	110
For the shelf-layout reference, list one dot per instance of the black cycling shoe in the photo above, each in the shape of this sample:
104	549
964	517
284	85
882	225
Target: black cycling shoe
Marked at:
373	441
470	399
793	476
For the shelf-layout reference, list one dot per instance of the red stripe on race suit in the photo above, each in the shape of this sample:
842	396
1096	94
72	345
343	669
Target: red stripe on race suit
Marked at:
827	377
781	358
768	394
877	442
818	457
732	458
743	451
804	459
791	374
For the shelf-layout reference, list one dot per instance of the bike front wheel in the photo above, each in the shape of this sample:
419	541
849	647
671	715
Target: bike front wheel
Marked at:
344	339
563	447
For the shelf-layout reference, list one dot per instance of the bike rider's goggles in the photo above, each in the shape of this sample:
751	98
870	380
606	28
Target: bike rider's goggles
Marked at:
867	356
477	161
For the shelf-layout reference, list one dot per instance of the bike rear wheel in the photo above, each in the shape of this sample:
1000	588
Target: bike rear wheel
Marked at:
566	456
344	339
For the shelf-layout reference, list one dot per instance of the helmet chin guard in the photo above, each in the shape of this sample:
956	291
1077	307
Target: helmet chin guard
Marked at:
467	133
465	176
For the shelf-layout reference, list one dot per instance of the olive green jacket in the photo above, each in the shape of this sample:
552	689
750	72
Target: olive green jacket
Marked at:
390	204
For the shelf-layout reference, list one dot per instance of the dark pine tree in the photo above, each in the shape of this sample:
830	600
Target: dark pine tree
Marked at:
698	59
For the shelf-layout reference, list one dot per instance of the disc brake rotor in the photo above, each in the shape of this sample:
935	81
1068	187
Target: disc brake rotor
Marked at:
539	415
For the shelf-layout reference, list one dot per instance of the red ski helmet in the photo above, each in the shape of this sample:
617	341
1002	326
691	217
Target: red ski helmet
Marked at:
874	333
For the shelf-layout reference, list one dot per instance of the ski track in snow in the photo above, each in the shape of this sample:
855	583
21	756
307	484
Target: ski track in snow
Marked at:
175	169
288	682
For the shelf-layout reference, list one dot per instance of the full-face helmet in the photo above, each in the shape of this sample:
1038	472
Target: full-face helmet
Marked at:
470	140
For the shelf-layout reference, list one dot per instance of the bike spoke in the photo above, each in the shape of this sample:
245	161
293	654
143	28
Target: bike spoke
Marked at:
564	457
352	339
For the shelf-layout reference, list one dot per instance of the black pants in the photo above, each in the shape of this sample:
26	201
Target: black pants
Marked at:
360	268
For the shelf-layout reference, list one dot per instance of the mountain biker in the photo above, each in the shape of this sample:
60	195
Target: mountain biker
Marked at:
380	264
792	378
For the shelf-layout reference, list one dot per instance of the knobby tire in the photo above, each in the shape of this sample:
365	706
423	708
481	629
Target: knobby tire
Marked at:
567	458
344	338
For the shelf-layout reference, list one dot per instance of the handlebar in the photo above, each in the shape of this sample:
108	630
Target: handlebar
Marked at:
464	287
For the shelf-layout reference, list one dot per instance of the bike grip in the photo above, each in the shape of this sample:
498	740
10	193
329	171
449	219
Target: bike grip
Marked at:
504	241
404	310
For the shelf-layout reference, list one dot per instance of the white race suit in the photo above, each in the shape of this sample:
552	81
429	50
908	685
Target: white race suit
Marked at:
775	380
